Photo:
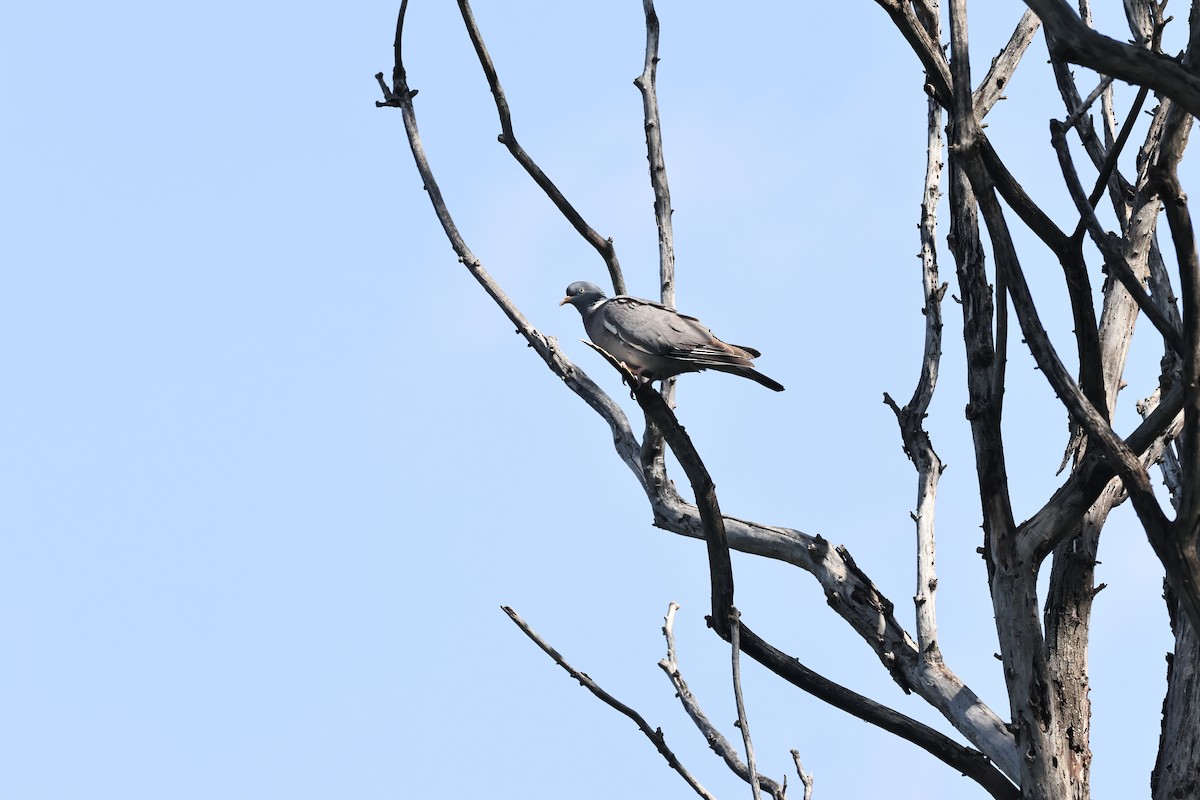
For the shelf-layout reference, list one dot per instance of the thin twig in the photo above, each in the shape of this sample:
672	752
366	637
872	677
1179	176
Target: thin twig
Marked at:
1092	97
1114	151
743	723
655	735
716	740
647	85
1082	123
628	448
806	778
603	246
653	460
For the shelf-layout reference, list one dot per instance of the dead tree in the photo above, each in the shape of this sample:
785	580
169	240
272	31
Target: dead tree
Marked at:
1039	746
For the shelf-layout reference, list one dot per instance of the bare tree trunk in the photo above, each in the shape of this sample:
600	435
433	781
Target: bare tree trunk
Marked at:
1176	773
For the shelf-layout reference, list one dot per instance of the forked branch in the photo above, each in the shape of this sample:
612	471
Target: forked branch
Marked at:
653	462
507	138
969	762
1071	40
911	418
716	740
655	735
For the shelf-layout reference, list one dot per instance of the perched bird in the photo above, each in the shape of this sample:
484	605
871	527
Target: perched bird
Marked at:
656	342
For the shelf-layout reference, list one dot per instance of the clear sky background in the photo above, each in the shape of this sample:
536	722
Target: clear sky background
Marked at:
271	461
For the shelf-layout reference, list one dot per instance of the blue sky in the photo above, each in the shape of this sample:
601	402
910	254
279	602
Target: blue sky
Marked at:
272	462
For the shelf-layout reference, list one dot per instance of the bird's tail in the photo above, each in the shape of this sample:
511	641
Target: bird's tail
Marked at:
751	373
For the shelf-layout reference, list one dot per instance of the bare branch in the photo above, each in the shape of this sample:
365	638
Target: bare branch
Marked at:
969	762
603	246
926	48
1181	561
849	592
1080	407
1071	40
1079	112
720	566
646	83
917	444
655	735
1114	259
806	778
938	73
1165	178
653	462
985	355
1056	519
1140	16
1046	764
1178	763
1081	122
1179	547
743	723
624	440
1014	194
716	740
1079	285
398	76
991	88
1116	147
1167	462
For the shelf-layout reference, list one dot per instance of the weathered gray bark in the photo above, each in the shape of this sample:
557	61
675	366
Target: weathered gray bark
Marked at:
1177	770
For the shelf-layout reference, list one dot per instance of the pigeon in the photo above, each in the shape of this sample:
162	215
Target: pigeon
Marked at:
655	342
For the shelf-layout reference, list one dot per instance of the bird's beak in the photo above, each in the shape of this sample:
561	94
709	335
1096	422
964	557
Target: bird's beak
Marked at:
564	301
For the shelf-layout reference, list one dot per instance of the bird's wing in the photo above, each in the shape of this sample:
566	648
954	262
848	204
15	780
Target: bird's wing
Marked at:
659	331
652	328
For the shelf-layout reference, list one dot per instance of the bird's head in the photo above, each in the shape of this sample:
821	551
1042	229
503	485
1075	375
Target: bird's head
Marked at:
583	295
